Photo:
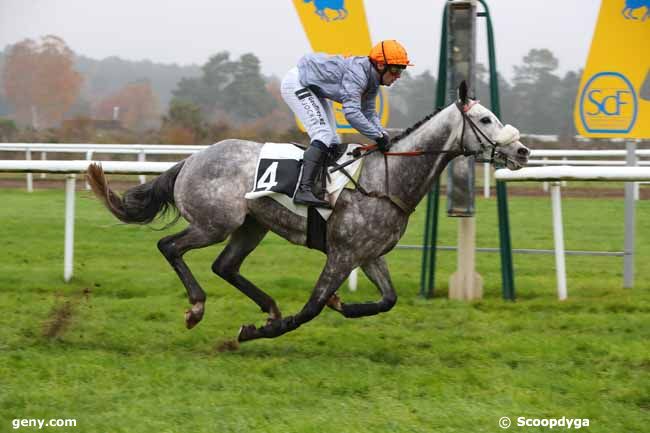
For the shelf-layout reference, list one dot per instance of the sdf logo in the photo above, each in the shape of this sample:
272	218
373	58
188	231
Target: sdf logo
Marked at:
608	104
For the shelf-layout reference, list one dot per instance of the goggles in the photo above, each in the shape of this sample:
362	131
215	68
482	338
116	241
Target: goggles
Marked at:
396	69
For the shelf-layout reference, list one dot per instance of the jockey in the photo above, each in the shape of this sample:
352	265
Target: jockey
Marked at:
351	81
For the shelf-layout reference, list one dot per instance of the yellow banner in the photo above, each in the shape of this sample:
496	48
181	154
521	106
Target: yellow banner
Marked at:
614	95
339	27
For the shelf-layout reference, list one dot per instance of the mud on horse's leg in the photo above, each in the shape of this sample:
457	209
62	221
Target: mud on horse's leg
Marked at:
329	281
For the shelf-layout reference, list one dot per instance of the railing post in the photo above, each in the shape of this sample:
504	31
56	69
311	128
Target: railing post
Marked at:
486	179
628	259
68	254
558	236
43	158
142	157
89	157
544	184
30	176
353	279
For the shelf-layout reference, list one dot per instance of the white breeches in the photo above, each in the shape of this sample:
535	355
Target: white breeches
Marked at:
314	113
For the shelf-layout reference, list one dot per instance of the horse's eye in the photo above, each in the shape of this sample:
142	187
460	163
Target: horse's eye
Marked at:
486	120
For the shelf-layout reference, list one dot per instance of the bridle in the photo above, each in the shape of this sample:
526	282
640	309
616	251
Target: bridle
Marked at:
478	133
399	203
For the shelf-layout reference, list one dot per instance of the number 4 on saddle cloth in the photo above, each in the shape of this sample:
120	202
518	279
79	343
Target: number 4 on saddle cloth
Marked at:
278	171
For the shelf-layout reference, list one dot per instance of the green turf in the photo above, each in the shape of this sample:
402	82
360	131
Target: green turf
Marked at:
110	349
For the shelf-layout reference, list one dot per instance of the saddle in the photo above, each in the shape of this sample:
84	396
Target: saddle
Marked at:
277	175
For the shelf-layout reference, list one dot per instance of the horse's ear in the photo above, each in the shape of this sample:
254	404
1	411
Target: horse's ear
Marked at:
462	92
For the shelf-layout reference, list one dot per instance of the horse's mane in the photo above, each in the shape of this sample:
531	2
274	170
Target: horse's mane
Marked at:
415	126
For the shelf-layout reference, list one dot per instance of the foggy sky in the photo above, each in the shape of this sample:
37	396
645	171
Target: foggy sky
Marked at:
190	31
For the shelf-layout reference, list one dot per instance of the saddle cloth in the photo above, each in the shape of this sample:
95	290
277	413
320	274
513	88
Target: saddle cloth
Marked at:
278	172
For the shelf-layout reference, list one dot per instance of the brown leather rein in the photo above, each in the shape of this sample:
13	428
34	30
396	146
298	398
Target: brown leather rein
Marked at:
398	202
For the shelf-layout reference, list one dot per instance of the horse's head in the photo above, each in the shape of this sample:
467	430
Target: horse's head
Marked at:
484	136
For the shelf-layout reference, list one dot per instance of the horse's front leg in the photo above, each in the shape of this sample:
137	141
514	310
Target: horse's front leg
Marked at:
377	272
335	272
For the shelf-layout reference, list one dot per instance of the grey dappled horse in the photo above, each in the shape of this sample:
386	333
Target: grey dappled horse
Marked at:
208	190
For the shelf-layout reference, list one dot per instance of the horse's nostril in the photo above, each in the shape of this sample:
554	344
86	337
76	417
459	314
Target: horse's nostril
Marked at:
523	151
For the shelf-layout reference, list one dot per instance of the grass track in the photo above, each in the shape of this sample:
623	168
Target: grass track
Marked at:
110	350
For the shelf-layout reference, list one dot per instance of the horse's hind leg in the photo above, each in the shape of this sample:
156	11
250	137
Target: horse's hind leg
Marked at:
242	242
173	248
329	281
377	272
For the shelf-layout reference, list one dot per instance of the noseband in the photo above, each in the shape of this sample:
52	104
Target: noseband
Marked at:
478	133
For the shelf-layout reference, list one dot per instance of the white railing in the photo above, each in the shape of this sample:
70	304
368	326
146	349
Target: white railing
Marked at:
72	168
142	150
563	173
542	157
90	149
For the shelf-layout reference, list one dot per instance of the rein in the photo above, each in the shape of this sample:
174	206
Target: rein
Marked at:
478	133
371	148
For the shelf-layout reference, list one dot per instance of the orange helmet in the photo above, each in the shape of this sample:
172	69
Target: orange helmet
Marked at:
389	52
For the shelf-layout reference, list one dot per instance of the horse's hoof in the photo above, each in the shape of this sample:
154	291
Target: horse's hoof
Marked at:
334	302
247	332
194	315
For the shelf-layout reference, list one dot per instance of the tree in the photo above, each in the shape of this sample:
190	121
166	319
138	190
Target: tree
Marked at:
183	124
8	130
538	93
412	98
246	97
570	84
40	81
483	93
206	90
537	63
137	106
234	88
186	115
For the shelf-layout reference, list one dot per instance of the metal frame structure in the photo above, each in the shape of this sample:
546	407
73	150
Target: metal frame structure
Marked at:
427	279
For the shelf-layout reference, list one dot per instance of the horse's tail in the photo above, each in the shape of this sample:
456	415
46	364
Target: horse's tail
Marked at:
142	203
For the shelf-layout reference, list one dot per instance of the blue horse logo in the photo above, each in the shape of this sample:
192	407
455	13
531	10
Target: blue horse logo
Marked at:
632	5
335	5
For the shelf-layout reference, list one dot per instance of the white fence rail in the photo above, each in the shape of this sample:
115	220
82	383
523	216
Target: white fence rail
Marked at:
602	174
90	150
142	150
545	157
72	168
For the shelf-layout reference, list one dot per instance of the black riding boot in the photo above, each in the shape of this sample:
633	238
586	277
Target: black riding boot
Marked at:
312	162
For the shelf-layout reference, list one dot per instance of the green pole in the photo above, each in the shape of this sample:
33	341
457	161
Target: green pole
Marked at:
507	273
427	278
424	278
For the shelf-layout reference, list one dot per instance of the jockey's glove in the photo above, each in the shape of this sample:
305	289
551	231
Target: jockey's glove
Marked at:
383	142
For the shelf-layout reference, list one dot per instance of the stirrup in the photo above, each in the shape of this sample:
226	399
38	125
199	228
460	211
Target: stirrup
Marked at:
309	199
